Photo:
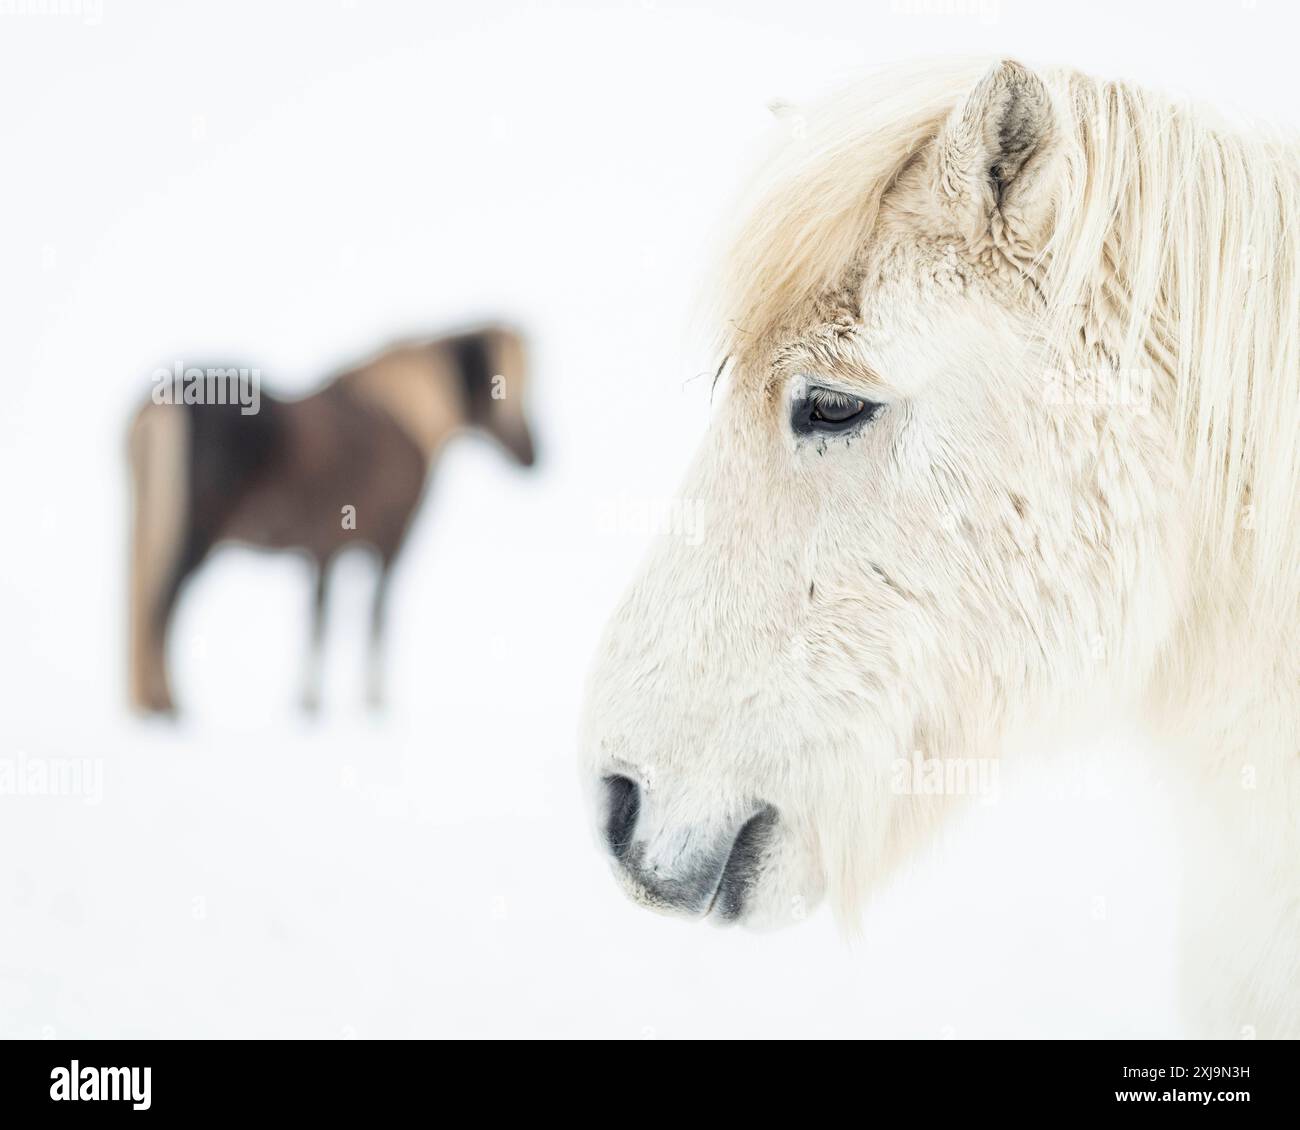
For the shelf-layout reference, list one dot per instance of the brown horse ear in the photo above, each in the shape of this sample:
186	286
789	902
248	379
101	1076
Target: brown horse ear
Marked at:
996	155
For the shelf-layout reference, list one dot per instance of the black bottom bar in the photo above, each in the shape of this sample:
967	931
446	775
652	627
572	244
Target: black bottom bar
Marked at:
212	1078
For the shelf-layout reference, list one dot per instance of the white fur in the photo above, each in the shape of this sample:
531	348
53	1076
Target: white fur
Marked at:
992	550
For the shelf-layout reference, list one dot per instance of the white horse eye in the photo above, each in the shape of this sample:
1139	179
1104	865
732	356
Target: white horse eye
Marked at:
824	410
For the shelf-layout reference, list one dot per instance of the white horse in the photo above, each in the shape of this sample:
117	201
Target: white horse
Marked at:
1009	431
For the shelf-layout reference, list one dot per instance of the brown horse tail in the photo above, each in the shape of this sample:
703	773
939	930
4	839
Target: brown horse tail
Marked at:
159	444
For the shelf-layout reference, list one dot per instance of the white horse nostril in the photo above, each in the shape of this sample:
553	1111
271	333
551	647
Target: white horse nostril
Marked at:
623	799
700	870
743	865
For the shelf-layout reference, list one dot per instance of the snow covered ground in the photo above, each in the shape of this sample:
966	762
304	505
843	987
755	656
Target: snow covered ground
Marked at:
295	189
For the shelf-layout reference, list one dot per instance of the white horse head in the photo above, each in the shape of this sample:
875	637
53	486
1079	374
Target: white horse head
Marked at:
1007	353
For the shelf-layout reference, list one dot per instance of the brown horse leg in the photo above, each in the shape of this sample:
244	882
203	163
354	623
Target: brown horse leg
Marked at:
196	553
150	690
378	625
159	458
315	655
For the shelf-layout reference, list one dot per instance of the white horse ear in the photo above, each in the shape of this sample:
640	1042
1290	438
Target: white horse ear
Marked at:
996	154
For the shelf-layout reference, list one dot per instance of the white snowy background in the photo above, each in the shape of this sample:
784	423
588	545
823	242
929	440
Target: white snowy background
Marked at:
295	183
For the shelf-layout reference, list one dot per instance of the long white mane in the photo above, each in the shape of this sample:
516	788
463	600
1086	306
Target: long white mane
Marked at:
1175	255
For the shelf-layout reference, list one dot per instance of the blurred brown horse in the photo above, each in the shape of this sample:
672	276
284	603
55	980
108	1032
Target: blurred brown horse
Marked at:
344	465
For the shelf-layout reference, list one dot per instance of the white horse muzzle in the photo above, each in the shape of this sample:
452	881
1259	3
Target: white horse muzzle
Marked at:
686	871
